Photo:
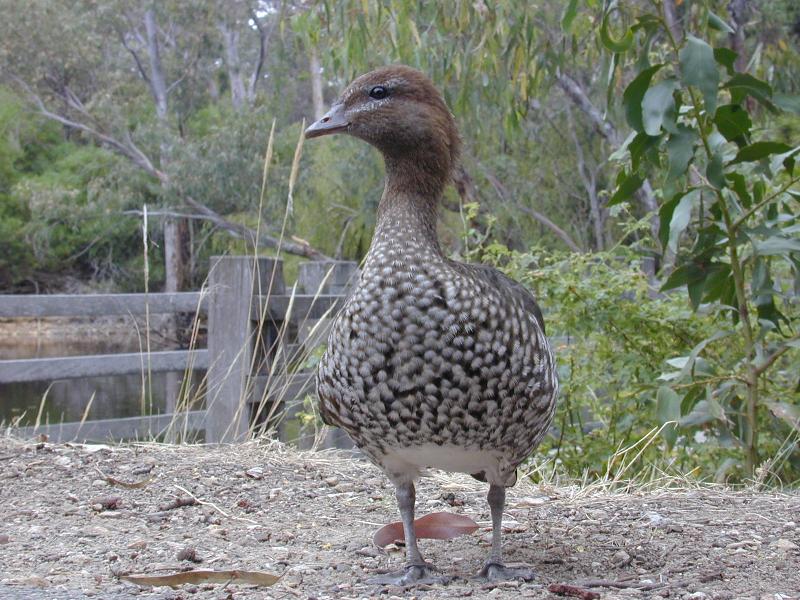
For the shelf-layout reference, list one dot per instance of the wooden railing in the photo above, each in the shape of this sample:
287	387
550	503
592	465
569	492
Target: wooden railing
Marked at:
255	327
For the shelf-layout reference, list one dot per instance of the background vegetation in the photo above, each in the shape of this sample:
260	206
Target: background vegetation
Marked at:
633	163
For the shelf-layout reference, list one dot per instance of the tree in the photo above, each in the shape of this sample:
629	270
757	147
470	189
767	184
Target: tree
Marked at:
166	52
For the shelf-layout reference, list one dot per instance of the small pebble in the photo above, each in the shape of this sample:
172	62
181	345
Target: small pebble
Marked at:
189	554
621	558
106	503
784	544
255	473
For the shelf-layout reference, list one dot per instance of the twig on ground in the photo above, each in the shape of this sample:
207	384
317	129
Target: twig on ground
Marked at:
563	589
214	506
179	502
649	586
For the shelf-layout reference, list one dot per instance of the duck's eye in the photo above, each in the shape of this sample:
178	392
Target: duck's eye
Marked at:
378	92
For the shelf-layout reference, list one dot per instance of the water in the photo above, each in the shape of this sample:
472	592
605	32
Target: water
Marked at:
111	397
67	399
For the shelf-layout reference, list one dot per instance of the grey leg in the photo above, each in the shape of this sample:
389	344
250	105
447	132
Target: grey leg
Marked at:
497	502
416	570
494	569
406	500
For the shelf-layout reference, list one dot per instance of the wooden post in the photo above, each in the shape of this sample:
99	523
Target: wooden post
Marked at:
343	274
233	282
323	277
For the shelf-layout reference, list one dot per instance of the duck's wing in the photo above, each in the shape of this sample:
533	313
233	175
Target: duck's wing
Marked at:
514	288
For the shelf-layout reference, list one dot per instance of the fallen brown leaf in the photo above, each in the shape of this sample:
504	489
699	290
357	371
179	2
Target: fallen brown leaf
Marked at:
128	485
204	576
435	526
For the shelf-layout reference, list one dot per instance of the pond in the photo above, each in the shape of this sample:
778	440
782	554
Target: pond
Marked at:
108	397
67	399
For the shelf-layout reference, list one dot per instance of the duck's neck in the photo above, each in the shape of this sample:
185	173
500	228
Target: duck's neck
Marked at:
409	207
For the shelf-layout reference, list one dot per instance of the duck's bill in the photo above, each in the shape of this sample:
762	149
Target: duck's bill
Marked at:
332	122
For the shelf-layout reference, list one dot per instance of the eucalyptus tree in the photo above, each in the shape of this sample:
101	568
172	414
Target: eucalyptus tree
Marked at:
137	81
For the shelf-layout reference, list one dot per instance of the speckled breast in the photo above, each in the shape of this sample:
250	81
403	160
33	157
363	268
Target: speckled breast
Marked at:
433	351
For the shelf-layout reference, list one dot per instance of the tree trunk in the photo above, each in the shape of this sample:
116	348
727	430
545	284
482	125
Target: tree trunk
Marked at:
175	232
158	86
315	71
176	259
230	39
739	12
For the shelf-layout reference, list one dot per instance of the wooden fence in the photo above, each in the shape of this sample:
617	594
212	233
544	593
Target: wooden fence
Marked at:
257	328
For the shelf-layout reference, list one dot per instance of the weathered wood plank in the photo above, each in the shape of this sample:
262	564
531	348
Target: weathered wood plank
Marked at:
327	276
235	282
73	367
303	306
116	429
93	305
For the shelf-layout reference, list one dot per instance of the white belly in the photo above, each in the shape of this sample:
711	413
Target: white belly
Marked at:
407	464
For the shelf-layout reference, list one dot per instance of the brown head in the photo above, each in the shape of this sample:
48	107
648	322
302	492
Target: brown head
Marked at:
398	110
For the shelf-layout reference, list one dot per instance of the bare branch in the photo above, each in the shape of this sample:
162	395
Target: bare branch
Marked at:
136	59
127	149
173	214
264	35
464	185
590	185
775	356
502	192
671	17
578	96
299	248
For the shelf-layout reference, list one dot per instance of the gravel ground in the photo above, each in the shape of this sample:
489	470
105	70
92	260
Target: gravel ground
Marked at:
70	530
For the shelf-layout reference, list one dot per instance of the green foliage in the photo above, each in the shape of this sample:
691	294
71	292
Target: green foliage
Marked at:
625	354
58	205
611	336
731	220
544	93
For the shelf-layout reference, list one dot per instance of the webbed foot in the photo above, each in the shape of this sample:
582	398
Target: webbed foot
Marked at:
412	575
497	572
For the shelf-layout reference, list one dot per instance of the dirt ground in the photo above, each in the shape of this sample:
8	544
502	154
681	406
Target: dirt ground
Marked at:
67	533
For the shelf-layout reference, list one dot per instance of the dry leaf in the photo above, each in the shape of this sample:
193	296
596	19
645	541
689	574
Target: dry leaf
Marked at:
130	485
204	576
435	526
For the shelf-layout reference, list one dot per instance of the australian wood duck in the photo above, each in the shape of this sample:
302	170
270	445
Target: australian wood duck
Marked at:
431	362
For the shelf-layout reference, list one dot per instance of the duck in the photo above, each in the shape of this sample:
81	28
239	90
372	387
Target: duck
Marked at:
431	362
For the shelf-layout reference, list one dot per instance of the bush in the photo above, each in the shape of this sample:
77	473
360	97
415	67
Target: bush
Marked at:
615	337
